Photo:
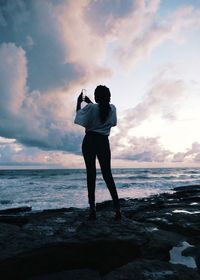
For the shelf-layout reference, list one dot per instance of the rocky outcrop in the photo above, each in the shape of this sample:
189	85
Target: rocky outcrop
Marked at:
146	244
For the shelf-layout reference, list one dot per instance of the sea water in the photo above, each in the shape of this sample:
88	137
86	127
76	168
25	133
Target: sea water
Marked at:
52	188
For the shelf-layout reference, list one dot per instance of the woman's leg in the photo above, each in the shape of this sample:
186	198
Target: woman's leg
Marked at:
104	157
89	155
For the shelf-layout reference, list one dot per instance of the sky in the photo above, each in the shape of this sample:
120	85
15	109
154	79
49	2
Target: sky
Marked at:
145	51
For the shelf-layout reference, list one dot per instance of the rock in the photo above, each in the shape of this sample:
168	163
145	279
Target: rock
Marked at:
194	188
15	210
83	274
12	215
14	220
152	270
63	241
195	252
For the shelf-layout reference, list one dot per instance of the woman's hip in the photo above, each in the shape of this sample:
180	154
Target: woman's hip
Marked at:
93	141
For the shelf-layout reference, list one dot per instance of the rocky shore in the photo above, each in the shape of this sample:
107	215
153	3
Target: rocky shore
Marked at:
158	238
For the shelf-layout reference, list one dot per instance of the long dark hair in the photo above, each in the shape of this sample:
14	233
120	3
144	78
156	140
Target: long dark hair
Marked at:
102	97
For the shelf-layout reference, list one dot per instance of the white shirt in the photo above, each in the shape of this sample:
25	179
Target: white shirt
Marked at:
89	118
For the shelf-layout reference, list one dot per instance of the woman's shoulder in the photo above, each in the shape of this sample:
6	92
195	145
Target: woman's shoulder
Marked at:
94	106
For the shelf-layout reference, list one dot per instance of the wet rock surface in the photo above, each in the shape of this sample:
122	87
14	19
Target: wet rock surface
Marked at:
157	238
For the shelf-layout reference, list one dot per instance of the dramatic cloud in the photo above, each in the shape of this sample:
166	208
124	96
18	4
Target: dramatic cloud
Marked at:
13	75
50	49
32	118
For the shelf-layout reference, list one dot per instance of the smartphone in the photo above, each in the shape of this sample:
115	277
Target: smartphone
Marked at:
84	92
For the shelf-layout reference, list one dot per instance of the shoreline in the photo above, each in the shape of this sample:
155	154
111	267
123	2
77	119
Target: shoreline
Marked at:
53	189
63	243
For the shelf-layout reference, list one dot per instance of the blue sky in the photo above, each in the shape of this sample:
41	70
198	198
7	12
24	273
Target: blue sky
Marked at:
147	52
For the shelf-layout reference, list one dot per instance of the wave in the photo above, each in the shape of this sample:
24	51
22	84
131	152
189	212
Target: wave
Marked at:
53	188
6	201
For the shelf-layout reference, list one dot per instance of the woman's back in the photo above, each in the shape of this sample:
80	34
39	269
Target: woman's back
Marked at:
89	117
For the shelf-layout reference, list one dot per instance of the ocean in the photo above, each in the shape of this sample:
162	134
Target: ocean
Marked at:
52	188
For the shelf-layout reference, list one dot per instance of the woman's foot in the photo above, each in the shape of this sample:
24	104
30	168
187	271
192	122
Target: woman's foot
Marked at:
92	215
118	215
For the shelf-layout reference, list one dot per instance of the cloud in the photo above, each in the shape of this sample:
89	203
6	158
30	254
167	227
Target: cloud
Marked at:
50	49
13	75
33	26
136	29
14	154
143	31
84	48
70	39
102	15
36	109
142	149
13	12
191	155
163	98
32	118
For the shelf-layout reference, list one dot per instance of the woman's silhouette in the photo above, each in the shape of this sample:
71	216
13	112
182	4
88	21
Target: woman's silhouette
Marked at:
98	119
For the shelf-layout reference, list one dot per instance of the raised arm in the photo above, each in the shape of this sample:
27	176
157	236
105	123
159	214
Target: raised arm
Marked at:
87	100
79	100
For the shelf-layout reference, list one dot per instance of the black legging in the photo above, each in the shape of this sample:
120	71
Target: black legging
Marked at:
96	144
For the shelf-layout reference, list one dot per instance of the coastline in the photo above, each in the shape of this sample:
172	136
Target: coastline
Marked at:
143	245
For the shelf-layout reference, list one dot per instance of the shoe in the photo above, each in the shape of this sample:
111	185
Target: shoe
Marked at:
92	215
118	216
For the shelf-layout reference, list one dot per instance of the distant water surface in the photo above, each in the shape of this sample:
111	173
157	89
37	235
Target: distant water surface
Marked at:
51	189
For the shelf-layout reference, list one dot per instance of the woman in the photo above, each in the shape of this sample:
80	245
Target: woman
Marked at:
98	120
